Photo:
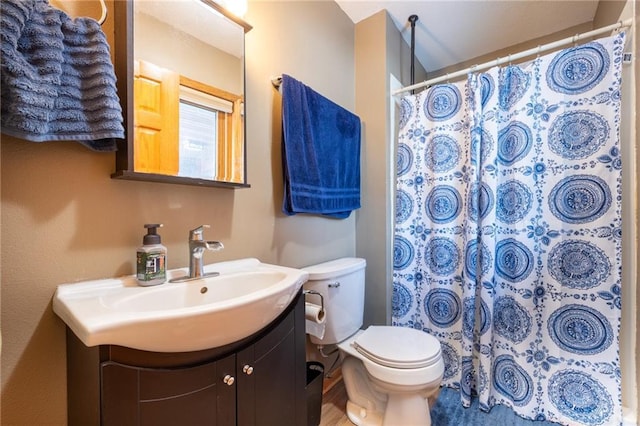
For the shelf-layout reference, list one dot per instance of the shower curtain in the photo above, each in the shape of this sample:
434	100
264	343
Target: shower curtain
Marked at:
508	233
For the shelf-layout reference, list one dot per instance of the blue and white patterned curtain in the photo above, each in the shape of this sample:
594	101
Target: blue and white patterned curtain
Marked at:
508	232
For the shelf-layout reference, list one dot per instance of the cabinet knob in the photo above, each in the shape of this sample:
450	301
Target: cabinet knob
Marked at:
247	369
228	380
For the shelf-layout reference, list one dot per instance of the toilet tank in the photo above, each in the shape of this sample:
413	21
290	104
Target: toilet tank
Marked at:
341	284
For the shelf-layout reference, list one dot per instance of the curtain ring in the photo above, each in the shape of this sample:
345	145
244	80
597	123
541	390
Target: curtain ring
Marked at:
509	59
538	51
447	79
575	38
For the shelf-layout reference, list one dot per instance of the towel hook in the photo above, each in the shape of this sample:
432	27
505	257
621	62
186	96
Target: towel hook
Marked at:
103	17
103	14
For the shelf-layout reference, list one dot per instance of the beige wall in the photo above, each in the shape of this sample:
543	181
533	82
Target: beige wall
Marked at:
64	219
373	221
636	54
380	51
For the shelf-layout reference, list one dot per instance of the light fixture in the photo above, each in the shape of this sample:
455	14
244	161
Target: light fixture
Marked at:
237	7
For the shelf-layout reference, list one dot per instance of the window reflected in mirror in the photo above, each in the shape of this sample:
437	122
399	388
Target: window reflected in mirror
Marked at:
186	128
198	140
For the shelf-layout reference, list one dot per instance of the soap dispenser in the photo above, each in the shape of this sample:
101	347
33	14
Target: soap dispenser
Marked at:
151	259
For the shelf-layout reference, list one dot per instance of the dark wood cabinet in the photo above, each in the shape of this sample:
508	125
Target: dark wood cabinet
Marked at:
159	396
257	381
266	376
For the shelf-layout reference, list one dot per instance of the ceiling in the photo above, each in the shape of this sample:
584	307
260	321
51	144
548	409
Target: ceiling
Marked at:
198	20
452	31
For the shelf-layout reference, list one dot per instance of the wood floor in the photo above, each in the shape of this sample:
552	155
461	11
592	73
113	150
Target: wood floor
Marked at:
334	401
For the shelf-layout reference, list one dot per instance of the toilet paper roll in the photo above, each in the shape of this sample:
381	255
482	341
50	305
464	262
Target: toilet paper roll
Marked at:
314	320
313	312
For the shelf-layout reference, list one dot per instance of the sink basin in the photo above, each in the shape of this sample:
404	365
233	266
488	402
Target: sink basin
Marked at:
179	317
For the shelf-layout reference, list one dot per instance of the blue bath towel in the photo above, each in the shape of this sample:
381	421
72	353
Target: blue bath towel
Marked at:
58	81
321	153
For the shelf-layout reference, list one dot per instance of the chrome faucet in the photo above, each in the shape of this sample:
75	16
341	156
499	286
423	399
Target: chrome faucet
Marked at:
197	247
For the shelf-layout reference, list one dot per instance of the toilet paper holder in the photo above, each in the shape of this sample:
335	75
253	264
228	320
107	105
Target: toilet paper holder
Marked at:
315	293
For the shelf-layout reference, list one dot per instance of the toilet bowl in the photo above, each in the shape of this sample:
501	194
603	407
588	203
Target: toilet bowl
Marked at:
391	383
391	374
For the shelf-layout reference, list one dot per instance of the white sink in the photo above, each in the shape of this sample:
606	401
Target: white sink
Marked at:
179	317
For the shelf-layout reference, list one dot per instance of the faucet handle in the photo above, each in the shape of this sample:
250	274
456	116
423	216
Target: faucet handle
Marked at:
196	234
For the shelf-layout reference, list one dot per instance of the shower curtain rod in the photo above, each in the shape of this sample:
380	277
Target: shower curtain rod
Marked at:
516	56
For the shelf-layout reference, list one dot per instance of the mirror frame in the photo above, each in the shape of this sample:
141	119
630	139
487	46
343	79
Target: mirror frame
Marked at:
124	68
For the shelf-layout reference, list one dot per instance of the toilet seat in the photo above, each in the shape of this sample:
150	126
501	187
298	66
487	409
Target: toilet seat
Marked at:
410	378
398	347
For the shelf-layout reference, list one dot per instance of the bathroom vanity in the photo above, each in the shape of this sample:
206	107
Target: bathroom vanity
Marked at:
259	380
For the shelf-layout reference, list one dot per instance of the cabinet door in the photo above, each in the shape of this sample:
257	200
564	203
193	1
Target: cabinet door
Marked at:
155	396
267	379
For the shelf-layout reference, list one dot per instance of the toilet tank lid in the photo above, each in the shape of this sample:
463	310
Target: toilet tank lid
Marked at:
334	268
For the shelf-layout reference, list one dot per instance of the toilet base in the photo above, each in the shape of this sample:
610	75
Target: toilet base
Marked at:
411	411
407	410
362	417
377	404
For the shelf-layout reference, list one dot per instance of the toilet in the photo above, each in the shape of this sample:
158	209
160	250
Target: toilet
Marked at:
391	374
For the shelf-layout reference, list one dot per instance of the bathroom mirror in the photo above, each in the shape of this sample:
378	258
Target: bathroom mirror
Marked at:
180	69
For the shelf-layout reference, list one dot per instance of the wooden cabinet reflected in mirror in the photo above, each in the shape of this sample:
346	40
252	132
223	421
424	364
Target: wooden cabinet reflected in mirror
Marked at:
180	67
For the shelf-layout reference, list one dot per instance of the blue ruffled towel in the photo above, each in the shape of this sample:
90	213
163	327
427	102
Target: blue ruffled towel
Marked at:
321	153
58	81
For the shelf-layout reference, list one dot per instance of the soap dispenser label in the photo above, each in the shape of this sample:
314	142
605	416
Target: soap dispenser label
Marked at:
150	266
